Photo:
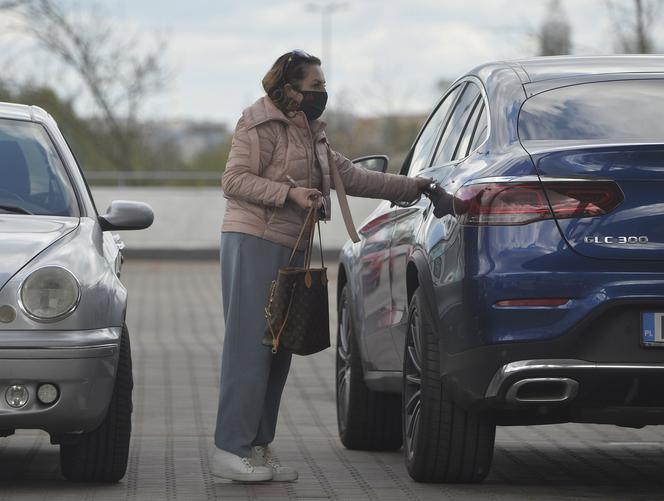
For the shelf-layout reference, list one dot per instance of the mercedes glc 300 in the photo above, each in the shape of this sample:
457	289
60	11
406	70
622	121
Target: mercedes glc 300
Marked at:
539	296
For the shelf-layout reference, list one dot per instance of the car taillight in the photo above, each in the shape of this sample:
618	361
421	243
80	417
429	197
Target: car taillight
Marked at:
525	202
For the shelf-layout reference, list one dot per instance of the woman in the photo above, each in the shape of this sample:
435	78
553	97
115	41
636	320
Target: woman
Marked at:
278	168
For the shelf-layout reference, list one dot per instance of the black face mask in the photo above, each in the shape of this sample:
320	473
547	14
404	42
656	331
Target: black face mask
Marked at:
313	103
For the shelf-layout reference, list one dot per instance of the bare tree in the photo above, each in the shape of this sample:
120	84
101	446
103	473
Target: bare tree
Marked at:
634	24
114	67
554	36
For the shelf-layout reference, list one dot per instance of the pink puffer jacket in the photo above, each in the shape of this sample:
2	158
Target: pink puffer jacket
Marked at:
267	148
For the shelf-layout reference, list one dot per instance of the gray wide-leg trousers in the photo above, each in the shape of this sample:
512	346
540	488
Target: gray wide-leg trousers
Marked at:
252	378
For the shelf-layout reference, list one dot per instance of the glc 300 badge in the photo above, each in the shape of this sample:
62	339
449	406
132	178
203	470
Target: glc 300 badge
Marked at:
616	240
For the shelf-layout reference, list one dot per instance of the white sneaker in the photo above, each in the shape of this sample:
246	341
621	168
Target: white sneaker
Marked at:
229	466
262	456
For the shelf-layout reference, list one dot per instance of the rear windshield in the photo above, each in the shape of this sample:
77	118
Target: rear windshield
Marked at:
33	179
626	111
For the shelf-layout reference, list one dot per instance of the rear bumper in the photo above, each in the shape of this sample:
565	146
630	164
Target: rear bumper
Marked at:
602	354
513	372
83	373
579	391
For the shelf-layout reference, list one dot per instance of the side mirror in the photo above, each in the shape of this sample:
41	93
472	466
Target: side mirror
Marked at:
377	163
125	215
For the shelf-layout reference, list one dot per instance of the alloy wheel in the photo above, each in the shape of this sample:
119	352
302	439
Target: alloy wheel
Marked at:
343	366
412	390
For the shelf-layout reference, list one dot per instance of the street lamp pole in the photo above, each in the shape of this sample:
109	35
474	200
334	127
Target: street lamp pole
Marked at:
326	11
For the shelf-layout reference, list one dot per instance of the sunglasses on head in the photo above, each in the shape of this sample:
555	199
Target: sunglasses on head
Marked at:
297	53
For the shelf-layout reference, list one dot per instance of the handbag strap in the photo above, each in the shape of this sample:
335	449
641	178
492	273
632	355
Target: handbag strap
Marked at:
343	203
320	244
310	247
310	243
299	238
315	222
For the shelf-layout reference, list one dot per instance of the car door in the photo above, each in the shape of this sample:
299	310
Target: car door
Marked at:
374	286
451	145
376	255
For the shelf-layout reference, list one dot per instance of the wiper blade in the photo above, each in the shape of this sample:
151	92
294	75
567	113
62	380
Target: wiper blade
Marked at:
14	208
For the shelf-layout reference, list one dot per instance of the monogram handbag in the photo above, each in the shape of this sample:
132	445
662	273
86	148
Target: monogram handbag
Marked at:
297	307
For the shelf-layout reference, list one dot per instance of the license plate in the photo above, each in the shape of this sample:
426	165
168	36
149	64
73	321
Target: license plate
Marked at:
652	328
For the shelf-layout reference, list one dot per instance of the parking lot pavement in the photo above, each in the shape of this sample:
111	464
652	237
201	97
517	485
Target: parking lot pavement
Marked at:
175	322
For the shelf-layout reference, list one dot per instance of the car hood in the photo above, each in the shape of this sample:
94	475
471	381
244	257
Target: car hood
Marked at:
23	237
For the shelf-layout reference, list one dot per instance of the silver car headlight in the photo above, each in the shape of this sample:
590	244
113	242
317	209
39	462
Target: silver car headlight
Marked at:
49	294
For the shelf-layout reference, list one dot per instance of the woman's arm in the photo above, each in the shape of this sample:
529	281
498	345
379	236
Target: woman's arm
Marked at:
242	179
361	182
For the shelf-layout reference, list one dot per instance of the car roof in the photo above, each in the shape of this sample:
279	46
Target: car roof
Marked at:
549	72
545	68
23	112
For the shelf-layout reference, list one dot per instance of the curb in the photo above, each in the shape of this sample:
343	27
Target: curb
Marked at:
202	254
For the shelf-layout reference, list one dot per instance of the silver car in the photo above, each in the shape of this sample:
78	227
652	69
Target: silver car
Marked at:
65	359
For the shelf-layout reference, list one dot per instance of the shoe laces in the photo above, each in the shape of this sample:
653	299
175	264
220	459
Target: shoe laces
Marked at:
247	463
265	454
273	462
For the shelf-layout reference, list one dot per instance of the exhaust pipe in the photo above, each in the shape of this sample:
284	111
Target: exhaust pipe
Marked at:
542	390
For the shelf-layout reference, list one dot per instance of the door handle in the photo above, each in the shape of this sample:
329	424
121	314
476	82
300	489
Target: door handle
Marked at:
442	201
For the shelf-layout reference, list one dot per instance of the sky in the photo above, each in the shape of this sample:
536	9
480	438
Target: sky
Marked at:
386	55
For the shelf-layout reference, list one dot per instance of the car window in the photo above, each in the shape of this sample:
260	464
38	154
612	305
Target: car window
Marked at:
467	134
625	111
427	140
481	130
452	133
33	176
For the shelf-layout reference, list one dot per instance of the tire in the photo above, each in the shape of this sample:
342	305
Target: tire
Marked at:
367	420
102	454
442	441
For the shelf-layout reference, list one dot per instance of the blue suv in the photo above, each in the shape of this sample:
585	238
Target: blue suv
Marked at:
539	298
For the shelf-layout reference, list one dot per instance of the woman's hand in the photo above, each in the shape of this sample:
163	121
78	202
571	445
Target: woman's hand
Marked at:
306	197
423	183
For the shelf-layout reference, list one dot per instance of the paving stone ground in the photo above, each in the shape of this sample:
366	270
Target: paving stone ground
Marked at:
175	322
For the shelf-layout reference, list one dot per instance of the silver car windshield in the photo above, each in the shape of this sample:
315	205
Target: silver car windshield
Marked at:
33	179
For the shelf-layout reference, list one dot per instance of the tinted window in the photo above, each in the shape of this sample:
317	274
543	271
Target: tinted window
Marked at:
621	111
427	141
450	138
466	136
481	130
32	176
